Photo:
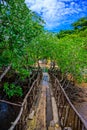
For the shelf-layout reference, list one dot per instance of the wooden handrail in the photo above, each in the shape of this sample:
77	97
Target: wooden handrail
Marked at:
72	106
17	119
10	103
22	107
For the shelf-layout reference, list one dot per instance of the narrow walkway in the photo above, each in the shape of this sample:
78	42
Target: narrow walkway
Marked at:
46	117
41	110
46	113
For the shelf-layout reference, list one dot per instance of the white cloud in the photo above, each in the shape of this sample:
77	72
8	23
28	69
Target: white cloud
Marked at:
54	12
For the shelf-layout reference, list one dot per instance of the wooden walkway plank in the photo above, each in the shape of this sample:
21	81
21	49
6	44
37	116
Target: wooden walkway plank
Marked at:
41	110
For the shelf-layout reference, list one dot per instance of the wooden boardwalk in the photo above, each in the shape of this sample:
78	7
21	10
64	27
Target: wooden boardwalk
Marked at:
45	117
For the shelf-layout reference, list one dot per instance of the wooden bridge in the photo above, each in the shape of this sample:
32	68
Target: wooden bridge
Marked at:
47	107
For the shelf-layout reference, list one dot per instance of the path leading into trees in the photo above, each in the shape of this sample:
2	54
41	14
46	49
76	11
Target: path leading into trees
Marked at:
46	113
46	116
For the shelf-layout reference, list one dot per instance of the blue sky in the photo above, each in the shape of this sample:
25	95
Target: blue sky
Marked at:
58	14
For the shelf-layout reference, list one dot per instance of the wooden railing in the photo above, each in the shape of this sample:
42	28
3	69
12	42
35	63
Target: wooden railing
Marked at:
23	109
29	100
67	113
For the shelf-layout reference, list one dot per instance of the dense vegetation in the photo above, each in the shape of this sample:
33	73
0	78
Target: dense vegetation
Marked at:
19	26
23	41
72	55
72	50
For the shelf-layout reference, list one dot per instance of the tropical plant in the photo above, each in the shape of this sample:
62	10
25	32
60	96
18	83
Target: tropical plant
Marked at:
12	90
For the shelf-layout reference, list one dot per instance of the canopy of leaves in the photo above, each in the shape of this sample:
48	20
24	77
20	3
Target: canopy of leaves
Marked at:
64	33
72	55
81	24
23	41
18	27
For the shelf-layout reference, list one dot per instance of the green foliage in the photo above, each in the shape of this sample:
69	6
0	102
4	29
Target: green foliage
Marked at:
64	33
81	24
12	90
23	42
72	50
19	26
72	55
